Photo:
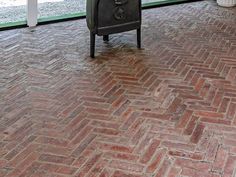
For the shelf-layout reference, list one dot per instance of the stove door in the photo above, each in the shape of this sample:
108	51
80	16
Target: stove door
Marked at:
117	12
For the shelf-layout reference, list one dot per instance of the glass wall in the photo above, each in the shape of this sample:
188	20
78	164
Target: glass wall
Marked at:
60	8
12	11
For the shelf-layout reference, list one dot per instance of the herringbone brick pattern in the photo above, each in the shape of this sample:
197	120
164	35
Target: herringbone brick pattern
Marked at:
166	110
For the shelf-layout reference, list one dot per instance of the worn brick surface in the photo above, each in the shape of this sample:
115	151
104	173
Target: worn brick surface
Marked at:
166	110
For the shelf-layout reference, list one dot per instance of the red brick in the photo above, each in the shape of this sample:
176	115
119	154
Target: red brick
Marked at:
123	174
224	105
163	168
144	143
199	84
97	111
83	145
52	141
89	164
185	119
105	173
174	172
126	166
215	121
155	163
98	169
175	105
138	135
114	147
190	127
178	145
76	129
212	149
155	116
196	165
197	133
66	170
209	114
106	131
218	98
193	173
56	159
130	119
185	154
231	111
150	151
220	160
230	166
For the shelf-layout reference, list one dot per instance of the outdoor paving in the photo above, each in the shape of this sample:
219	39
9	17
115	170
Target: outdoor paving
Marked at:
13	13
167	110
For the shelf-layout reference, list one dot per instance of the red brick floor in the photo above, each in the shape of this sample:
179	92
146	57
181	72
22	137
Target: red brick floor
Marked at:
167	110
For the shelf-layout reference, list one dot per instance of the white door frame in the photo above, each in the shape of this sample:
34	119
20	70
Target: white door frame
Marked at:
32	12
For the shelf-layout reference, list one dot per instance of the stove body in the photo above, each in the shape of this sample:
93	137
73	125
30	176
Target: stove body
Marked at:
105	17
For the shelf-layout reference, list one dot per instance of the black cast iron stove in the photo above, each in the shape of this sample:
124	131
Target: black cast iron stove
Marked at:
106	17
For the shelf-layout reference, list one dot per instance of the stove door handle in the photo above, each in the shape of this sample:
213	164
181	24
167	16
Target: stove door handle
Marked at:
120	2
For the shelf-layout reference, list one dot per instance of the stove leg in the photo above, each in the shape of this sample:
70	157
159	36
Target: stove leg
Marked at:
139	38
106	38
92	44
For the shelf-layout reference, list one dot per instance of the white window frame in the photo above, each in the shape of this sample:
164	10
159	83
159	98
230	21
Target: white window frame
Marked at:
32	13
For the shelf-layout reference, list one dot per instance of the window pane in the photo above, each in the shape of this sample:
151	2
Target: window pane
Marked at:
52	8
12	11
